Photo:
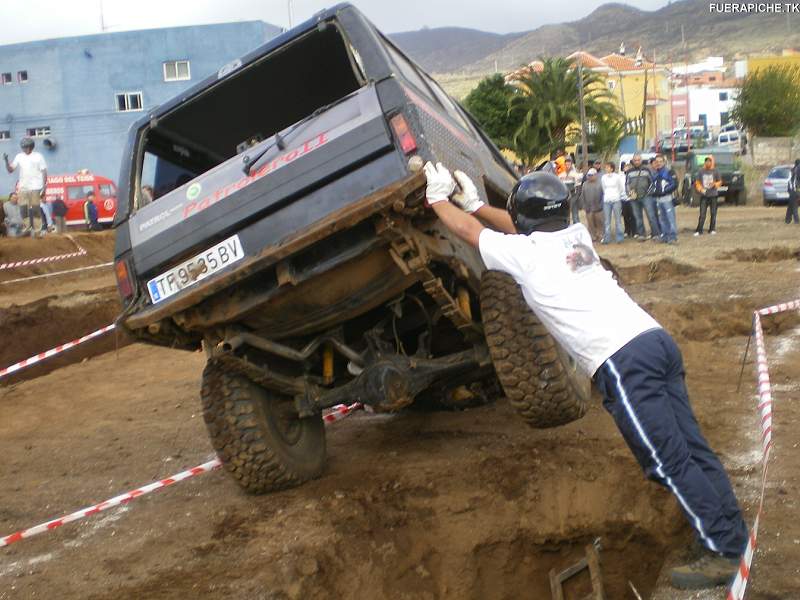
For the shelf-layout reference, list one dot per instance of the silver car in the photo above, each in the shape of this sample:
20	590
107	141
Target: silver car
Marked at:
776	185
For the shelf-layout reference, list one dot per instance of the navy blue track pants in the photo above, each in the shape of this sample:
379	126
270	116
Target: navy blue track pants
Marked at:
644	390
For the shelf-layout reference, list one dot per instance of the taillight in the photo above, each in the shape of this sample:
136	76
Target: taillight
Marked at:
123	279
403	133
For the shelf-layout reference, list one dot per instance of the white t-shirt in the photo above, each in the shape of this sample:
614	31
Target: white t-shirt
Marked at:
575	298
613	186
31	167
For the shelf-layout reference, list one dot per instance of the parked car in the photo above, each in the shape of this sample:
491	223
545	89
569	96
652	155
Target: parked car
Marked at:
730	138
730	128
733	188
775	188
72	188
289	238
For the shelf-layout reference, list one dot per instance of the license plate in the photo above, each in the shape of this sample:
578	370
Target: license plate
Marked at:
782	194
723	188
195	269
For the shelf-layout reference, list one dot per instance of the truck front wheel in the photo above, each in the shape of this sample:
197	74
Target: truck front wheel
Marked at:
257	433
540	380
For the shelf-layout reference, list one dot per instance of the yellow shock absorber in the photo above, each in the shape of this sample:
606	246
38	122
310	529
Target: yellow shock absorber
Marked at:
462	294
327	364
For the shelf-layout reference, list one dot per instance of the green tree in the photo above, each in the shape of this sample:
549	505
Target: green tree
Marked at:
488	103
769	102
546	106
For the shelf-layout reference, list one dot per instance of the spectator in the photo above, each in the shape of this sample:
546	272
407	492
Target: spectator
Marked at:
591	199
15	225
47	217
707	184
638	181
791	204
32	180
572	178
560	162
663	186
59	214
613	184
598	166
90	212
2	221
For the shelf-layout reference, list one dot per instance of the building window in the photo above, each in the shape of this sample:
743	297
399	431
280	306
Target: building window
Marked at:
723	96
22	76
712	78
128	101
38	131
177	70
6	78
680	122
5	135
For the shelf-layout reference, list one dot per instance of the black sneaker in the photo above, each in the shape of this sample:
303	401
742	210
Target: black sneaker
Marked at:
708	571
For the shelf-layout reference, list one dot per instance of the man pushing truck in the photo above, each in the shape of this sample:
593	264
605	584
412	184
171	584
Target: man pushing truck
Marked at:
634	363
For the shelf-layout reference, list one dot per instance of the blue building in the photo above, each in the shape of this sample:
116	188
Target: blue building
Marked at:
76	97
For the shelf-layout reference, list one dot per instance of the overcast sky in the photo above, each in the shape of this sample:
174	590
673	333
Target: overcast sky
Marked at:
25	20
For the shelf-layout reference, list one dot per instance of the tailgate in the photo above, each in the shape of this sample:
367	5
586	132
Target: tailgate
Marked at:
224	200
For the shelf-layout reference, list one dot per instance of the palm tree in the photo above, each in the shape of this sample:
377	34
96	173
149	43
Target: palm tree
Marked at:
546	105
607	136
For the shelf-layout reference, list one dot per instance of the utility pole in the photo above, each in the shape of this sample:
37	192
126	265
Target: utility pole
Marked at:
290	13
644	110
584	142
102	18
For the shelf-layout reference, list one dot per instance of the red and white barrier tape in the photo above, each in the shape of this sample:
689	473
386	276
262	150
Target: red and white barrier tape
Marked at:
45	259
53	351
739	585
67	272
337	413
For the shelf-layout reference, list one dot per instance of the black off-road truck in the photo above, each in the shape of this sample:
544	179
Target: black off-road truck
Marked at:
274	215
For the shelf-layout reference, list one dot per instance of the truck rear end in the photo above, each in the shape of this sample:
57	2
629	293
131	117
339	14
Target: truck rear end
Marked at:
304	137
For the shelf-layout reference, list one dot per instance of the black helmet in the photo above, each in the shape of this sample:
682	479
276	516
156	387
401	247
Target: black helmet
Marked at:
26	142
538	198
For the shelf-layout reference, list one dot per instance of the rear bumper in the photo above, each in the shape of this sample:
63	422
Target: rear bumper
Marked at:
344	217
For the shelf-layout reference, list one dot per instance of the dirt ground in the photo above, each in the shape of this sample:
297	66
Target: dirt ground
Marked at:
417	505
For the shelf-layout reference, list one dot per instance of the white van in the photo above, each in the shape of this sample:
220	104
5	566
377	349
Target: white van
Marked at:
730	138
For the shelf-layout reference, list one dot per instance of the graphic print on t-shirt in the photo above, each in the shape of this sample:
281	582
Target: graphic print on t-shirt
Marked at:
581	257
708	180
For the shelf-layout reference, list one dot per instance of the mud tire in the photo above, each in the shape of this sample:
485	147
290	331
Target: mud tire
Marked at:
539	378
257	433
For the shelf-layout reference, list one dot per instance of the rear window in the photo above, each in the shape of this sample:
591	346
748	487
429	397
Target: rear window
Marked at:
780	173
251	105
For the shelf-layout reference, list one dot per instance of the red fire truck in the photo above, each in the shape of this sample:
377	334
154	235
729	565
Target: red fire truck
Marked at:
73	189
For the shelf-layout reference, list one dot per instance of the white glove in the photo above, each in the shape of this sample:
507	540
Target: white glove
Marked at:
469	201
440	183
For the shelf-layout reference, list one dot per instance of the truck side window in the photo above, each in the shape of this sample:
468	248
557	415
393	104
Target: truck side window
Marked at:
407	70
106	191
445	101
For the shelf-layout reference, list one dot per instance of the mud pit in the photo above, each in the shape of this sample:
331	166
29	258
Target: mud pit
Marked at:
422	505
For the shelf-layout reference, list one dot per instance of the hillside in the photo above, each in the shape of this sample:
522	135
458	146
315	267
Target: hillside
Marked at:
683	30
448	49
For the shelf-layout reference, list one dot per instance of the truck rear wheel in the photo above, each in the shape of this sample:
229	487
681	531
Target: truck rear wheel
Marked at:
539	378
257	433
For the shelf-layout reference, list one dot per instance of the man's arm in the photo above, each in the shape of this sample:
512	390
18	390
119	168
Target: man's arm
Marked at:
464	225
497	218
44	182
9	168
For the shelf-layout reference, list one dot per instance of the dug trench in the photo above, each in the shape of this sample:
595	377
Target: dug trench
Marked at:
53	320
